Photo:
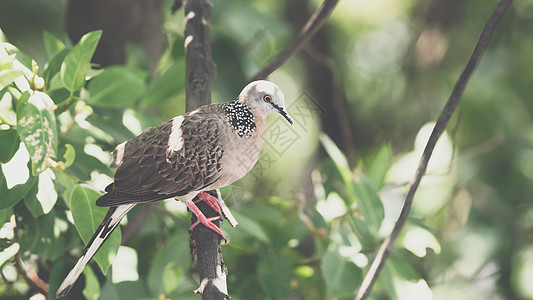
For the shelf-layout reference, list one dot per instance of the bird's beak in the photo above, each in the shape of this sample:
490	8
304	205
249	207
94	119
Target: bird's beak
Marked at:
286	115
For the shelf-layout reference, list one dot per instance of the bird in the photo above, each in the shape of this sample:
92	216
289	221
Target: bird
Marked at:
205	149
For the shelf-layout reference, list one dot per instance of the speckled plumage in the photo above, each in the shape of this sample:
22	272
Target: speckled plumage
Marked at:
240	117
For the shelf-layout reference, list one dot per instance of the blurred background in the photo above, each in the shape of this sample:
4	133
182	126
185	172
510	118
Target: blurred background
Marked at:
326	191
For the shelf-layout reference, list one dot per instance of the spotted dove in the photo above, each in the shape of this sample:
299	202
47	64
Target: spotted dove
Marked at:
205	149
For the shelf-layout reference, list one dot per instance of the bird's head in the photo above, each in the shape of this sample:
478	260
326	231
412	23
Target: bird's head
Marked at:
263	98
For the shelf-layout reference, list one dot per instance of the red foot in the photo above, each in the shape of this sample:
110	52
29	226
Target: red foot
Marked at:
212	201
203	219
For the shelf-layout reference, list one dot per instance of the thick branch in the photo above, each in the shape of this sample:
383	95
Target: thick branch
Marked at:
199	69
200	73
442	121
313	24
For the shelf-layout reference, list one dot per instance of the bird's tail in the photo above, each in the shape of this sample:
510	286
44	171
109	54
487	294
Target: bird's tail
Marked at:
110	222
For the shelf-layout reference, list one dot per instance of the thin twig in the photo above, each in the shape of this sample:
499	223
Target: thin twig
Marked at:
310	28
442	121
31	278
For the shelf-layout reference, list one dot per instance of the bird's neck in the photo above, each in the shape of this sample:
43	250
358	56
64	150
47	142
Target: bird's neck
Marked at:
241	118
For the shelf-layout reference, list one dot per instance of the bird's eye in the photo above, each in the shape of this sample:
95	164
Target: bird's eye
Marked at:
267	98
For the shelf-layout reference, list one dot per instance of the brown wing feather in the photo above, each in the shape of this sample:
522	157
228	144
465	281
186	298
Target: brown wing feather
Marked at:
147	173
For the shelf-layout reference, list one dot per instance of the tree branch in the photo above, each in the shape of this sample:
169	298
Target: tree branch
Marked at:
442	121
310	28
199	67
200	73
31	278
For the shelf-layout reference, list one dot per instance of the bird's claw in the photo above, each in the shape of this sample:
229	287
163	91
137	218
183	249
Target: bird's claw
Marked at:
201	218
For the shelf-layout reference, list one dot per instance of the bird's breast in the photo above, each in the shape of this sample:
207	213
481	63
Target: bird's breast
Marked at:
241	153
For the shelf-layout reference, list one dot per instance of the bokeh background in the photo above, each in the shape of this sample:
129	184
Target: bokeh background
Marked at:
326	191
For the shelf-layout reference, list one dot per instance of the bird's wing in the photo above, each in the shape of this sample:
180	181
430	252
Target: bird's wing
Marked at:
110	222
172	159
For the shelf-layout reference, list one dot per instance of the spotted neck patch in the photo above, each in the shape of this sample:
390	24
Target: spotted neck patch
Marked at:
240	117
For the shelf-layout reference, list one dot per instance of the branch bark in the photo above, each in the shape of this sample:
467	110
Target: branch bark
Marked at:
31	278
199	67
200	74
310	28
442	121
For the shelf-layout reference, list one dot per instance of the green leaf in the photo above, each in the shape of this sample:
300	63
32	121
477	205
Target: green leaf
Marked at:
368	199
55	236
362	191
57	274
364	232
167	85
92	285
31	202
21	57
109	291
45	196
4	216
418	239
10	196
251	227
125	266
396	274
380	164
116	86
87	217
402	268
51	71
340	161
170	260
336	155
8	76
274	272
52	44
36	125
342	276
68	184
70	155
76	63
9	71
9	145
28	228
135	290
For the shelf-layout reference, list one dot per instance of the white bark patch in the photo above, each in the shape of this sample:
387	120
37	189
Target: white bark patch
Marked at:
219	282
189	16
188	40
200	289
175	140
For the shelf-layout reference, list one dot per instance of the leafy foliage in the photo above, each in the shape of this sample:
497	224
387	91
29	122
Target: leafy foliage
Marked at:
36	126
304	232
76	63
87	216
